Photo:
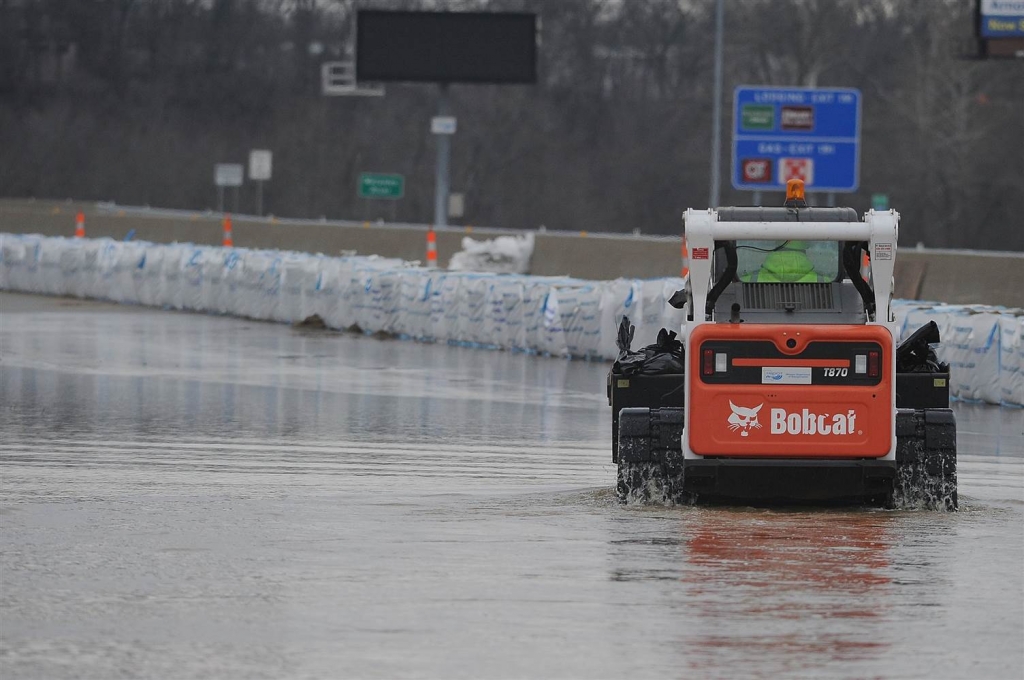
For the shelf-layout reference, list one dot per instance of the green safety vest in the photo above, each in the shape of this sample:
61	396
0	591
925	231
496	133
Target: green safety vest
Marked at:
785	266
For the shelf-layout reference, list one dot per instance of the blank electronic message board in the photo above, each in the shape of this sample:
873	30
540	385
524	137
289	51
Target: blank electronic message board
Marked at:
446	47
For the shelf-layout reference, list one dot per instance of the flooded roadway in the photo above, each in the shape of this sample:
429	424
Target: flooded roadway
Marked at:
193	496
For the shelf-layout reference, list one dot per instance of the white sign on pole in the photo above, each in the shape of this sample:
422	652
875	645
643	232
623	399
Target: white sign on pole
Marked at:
456	205
228	174
260	164
442	125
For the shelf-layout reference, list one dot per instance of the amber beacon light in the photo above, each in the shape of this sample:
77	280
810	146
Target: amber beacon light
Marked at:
795	190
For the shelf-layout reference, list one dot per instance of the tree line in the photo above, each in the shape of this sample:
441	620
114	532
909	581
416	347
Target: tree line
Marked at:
135	100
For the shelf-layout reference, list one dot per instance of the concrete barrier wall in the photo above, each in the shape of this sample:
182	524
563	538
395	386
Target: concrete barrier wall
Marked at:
963	277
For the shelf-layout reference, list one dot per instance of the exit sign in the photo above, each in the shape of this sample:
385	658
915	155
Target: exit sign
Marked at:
376	185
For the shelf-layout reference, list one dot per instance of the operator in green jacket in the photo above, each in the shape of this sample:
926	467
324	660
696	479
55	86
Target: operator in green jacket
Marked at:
788	264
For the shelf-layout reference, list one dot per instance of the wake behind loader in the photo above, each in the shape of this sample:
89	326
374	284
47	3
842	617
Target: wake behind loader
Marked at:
786	384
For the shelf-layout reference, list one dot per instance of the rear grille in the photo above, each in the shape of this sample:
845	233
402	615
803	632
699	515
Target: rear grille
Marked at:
787	296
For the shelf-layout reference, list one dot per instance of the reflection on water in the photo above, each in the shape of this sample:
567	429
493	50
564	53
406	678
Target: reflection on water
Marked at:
188	496
777	576
168	371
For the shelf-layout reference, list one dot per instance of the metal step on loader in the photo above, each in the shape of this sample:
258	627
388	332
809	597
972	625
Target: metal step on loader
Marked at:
789	385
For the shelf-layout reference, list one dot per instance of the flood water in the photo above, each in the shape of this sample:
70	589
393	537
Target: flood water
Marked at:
186	496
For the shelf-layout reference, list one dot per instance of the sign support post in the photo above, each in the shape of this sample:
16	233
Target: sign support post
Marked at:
716	115
442	184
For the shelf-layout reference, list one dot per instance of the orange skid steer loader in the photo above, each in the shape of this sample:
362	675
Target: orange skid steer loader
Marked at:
790	389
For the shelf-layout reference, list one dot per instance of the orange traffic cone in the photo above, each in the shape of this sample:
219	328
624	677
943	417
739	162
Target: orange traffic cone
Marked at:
80	225
431	247
228	241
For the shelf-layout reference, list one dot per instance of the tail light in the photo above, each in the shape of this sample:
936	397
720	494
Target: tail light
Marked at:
873	364
708	367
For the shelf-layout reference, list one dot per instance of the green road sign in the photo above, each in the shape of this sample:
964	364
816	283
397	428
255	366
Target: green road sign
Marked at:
757	117
880	201
375	185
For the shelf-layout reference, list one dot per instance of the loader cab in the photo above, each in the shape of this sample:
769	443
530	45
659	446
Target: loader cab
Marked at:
788	280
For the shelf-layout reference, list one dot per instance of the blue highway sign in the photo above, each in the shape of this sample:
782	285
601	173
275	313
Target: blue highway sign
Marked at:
811	134
1002	18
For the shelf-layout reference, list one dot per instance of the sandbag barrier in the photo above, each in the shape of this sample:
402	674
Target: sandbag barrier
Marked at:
983	345
558	316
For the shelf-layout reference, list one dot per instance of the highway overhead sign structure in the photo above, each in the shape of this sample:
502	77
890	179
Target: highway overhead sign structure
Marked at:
376	185
811	134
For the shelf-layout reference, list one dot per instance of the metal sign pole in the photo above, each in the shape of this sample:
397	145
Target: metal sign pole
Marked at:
757	199
444	152
220	199
259	198
716	122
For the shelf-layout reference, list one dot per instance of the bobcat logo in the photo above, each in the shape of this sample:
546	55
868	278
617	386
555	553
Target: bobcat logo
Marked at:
744	418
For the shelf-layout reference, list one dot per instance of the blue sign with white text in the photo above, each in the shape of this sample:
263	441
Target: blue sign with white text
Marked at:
1002	18
811	134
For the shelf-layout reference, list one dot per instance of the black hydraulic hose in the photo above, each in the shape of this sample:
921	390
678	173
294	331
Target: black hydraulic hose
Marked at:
731	264
851	261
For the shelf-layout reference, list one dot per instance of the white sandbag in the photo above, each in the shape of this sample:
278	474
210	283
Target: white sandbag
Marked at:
503	317
444	305
334	286
261	284
551	333
96	269
192	271
128	272
471	308
152	284
579	307
500	255
51	277
972	344
171	267
297	276
535	316
1011	359
212	282
5	241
